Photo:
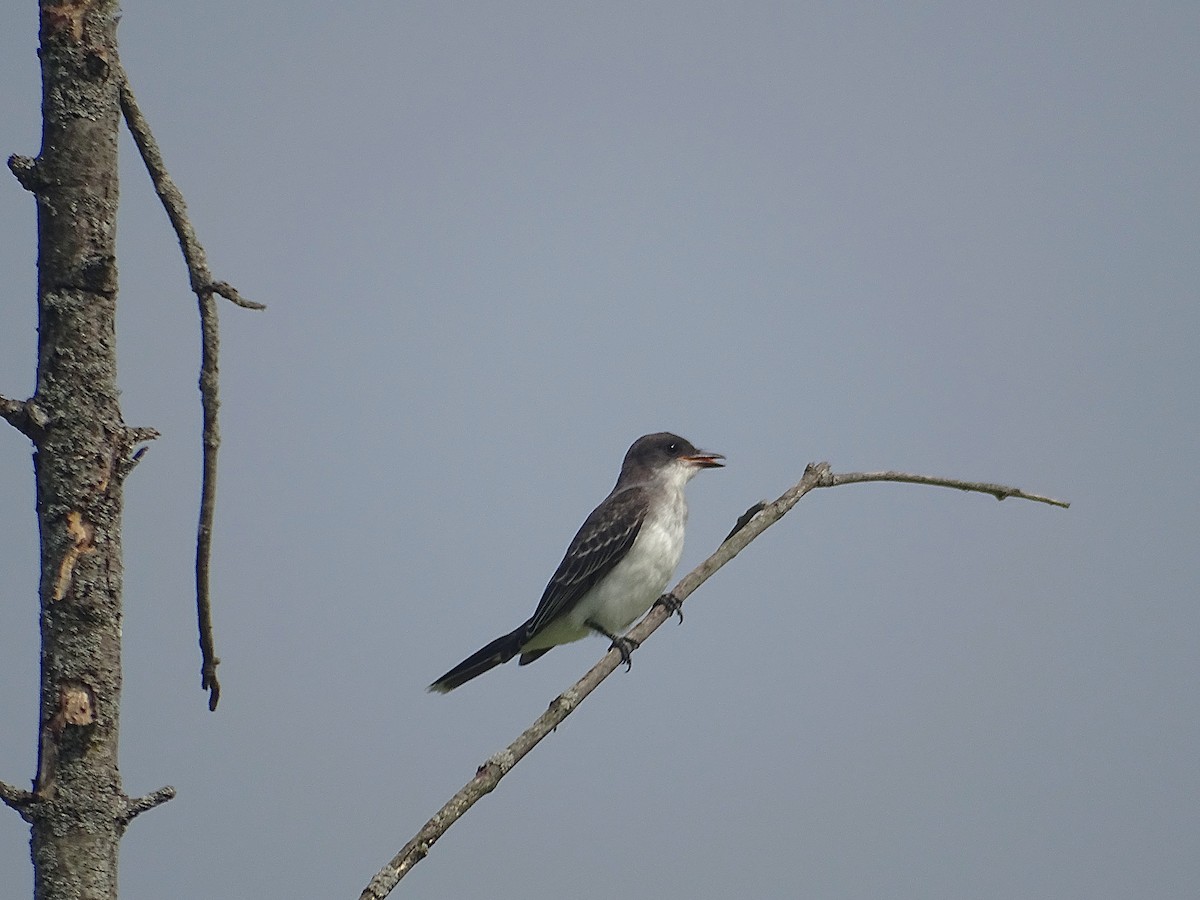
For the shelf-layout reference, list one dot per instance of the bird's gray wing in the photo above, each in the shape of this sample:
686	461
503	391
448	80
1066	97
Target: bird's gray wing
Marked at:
602	542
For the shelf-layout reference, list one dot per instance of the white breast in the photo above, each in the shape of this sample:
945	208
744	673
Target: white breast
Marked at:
641	577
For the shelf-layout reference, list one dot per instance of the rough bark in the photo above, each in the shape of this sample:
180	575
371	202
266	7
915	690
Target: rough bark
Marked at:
83	451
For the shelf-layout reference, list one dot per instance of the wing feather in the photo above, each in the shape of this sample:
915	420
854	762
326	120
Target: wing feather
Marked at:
601	542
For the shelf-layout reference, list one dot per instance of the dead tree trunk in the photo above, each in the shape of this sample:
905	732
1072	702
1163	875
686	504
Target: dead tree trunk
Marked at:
82	453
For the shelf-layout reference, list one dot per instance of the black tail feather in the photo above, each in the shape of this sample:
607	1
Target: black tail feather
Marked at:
499	651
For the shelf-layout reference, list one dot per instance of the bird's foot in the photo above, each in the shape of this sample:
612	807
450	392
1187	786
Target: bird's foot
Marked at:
625	646
673	604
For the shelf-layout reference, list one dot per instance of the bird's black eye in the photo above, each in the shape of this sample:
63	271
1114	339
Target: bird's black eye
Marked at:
672	447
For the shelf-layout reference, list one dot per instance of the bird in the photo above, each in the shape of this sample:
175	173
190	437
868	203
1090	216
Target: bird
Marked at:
617	565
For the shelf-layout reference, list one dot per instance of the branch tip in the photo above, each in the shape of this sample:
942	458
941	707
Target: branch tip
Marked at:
230	293
208	677
999	491
17	799
136	806
10	408
25	416
142	435
25	170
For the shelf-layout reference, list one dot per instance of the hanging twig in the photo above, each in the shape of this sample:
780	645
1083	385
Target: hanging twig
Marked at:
750	525
205	289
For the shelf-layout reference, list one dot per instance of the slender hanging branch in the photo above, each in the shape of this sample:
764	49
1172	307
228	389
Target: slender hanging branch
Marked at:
205	289
757	519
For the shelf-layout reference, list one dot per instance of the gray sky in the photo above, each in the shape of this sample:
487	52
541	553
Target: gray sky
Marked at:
500	241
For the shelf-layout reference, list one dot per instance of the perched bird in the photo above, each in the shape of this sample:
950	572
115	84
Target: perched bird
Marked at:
616	567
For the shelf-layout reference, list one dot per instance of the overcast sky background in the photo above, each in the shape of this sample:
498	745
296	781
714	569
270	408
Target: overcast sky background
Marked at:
499	242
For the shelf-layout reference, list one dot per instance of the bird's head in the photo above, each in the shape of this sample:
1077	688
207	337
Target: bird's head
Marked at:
665	452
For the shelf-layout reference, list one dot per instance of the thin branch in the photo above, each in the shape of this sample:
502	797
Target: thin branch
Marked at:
999	491
20	800
757	519
138	805
205	289
172	199
208	495
230	293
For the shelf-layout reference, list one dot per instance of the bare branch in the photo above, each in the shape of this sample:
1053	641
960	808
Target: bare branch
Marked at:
757	519
25	416
999	491
210	403
172	198
205	289
26	171
13	412
143	435
138	805
18	799
230	293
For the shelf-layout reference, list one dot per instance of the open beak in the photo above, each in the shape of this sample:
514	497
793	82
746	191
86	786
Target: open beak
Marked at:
704	460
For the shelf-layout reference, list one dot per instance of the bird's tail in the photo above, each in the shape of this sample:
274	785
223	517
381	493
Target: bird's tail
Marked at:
499	651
